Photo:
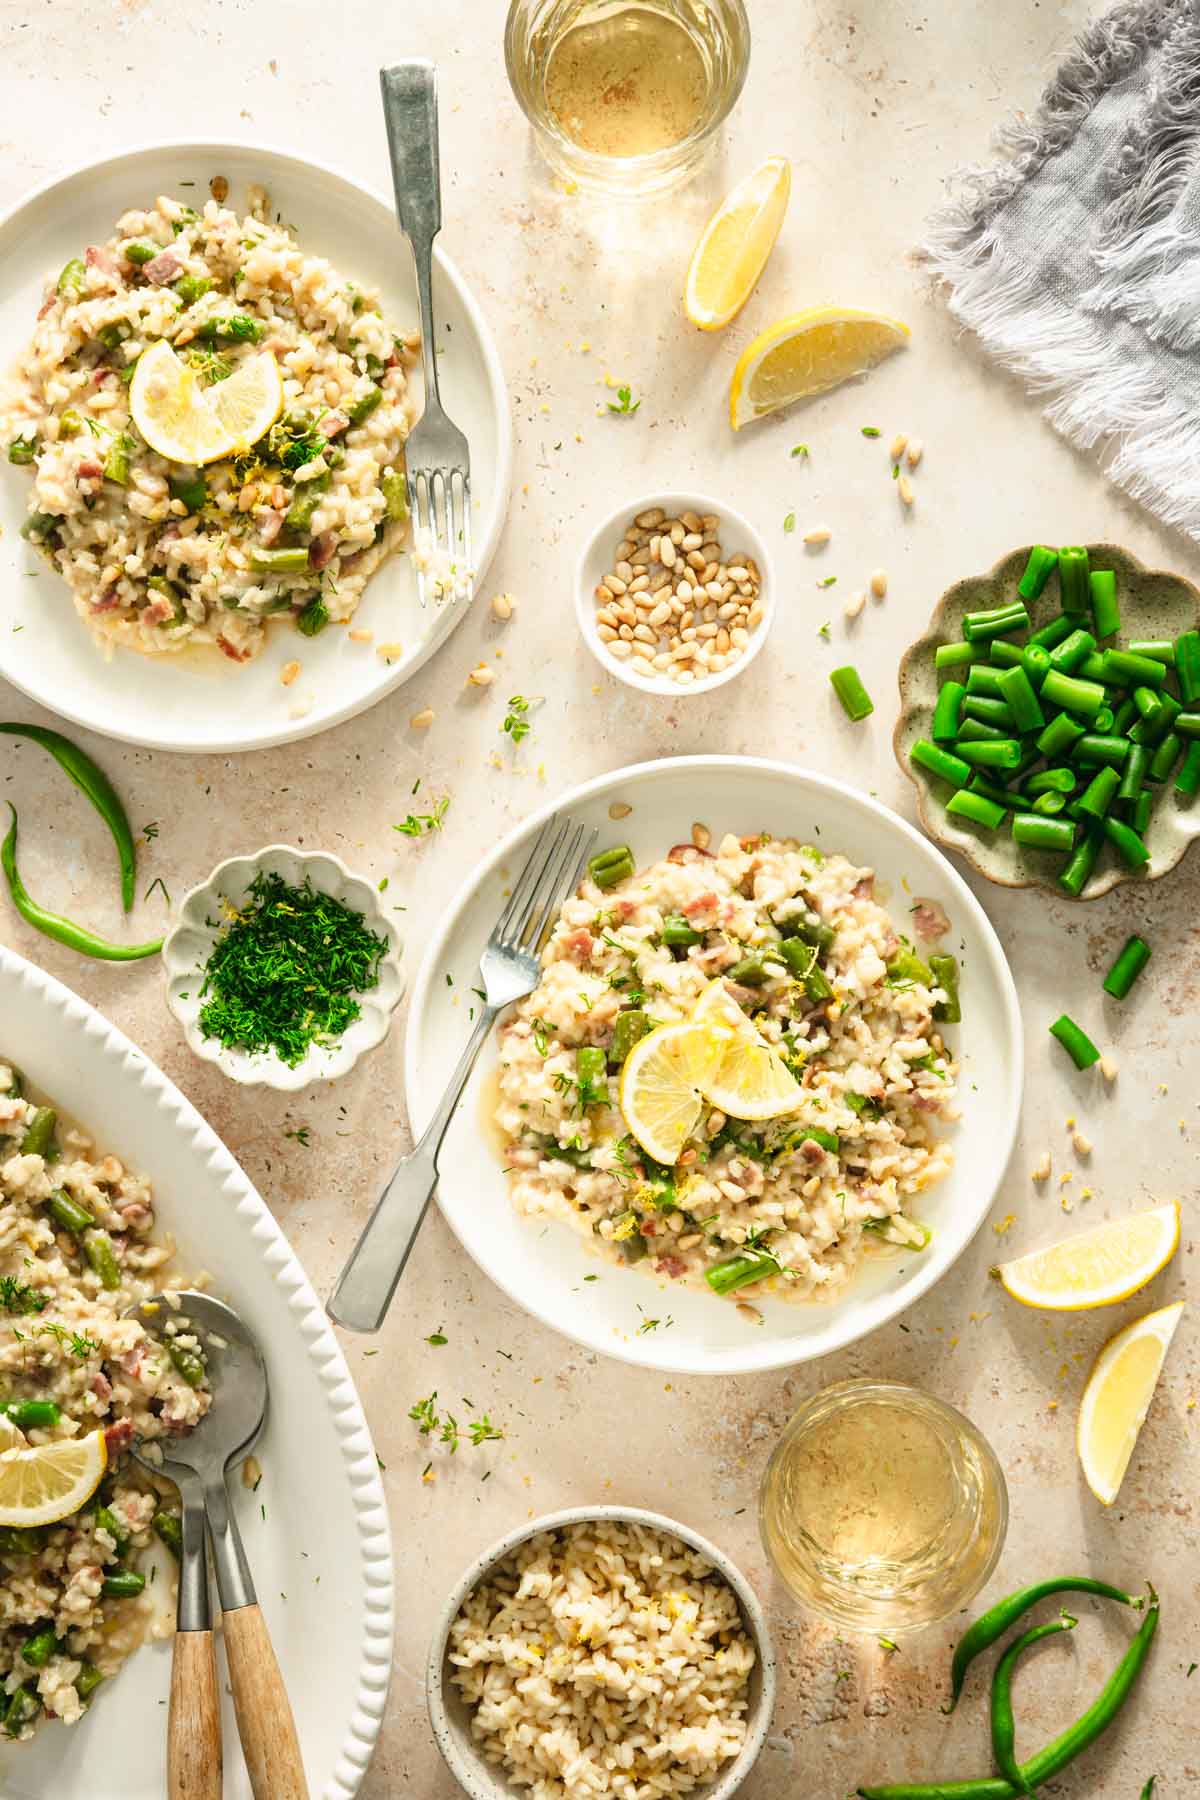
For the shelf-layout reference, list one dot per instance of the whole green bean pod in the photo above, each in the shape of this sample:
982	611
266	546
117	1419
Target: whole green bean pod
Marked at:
53	925
67	1212
992	1625
1004	1731
1060	1751
98	1248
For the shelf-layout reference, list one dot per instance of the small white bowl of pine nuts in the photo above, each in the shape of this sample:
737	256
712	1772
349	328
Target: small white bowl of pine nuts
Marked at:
675	594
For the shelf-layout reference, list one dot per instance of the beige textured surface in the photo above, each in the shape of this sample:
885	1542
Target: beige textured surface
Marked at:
873	104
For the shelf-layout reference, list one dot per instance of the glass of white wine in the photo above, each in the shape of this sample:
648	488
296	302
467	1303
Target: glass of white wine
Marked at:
882	1508
626	96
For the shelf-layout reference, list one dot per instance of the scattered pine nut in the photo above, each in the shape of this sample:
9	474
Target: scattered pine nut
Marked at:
300	710
916	451
750	1313
618	809
252	1472
218	187
854	605
503	605
481	676
288	673
879	583
898	445
389	652
1108	1068
360	635
819	534
1081	1145
422	720
1041	1169
904	488
701	836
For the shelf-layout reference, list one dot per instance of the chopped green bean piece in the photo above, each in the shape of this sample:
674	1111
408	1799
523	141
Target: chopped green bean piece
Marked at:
976	807
947	712
1036	832
939	762
1041	565
1077	1044
847	685
1127	967
1073	569
1105	610
1127	843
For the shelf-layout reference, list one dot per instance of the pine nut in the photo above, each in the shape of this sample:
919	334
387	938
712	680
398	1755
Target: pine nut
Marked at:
710	522
666	553
502	606
639	584
618	809
692	541
879	583
625	549
898	445
904	488
819	534
642	666
916	451
695	560
654	515
615	585
619	649
854	605
624	570
701	836
422	720
481	676
604	593
750	1313
605	633
692	520
288	673
677	534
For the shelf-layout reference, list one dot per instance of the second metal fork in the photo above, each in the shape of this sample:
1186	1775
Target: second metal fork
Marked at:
509	968
436	454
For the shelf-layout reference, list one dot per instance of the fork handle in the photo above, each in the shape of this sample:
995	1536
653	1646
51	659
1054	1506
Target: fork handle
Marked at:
410	116
368	1281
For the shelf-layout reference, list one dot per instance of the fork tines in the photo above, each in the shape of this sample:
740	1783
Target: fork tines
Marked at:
552	870
439	500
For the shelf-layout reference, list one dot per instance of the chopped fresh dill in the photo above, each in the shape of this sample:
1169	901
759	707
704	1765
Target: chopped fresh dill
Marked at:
17	1297
284	973
419	824
516	719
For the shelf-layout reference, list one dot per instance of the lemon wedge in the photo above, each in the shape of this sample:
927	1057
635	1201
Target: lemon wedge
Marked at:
48	1482
735	245
250	401
751	1081
660	1085
1117	1398
188	423
1096	1267
806	354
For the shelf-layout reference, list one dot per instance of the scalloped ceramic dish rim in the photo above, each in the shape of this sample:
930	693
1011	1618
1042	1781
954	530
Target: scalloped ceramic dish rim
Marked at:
268	1071
1113	877
478	1778
674	501
313	1335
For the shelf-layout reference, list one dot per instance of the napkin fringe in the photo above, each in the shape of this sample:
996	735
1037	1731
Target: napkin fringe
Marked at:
1097	394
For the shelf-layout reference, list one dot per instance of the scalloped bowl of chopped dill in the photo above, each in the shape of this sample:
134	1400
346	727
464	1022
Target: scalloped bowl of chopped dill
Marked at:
283	968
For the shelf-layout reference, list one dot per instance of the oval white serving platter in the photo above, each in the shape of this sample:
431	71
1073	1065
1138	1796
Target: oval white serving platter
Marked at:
199	701
316	1531
541	1264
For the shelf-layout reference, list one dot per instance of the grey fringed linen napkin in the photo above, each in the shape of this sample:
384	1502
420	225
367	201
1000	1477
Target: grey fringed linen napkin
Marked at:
1077	259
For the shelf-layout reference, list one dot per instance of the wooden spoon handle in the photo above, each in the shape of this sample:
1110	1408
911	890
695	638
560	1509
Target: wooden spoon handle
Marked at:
264	1713
194	1720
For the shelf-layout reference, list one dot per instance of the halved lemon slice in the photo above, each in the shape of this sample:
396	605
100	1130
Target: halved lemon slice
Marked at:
41	1485
660	1085
1096	1267
751	1081
1117	1398
806	354
188	423
250	401
735	245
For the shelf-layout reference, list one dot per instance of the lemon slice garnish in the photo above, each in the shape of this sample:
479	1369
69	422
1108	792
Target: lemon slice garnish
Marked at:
806	354
735	245
250	401
1117	1398
41	1485
661	1083
751	1081
188	423
1097	1267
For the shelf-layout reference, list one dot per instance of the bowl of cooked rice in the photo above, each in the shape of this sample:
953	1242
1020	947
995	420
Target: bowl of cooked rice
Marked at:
596	1648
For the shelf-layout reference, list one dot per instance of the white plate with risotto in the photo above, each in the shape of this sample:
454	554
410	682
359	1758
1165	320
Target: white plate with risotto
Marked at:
316	1529
826	920
252	596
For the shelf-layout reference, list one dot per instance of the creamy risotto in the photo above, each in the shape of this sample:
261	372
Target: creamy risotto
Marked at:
158	554
790	1207
70	1363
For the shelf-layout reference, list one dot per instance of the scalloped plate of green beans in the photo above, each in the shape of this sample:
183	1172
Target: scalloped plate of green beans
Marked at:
1050	719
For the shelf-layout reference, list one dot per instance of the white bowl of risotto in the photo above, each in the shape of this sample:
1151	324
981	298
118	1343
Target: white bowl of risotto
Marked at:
902	1131
592	1644
675	593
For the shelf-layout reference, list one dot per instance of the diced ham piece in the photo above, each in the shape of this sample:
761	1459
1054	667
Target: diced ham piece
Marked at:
332	423
321	550
99	259
674	1266
47	304
270	524
159	610
579	945
162	269
864	889
811	1151
117	1436
232	651
721	956
107	602
101	1385
703	907
929	920
925	1102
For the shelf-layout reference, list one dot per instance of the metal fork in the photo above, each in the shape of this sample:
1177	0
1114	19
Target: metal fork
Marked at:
509	968
436	456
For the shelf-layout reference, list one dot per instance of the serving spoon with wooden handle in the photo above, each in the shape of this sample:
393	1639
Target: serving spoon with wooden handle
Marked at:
201	1462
